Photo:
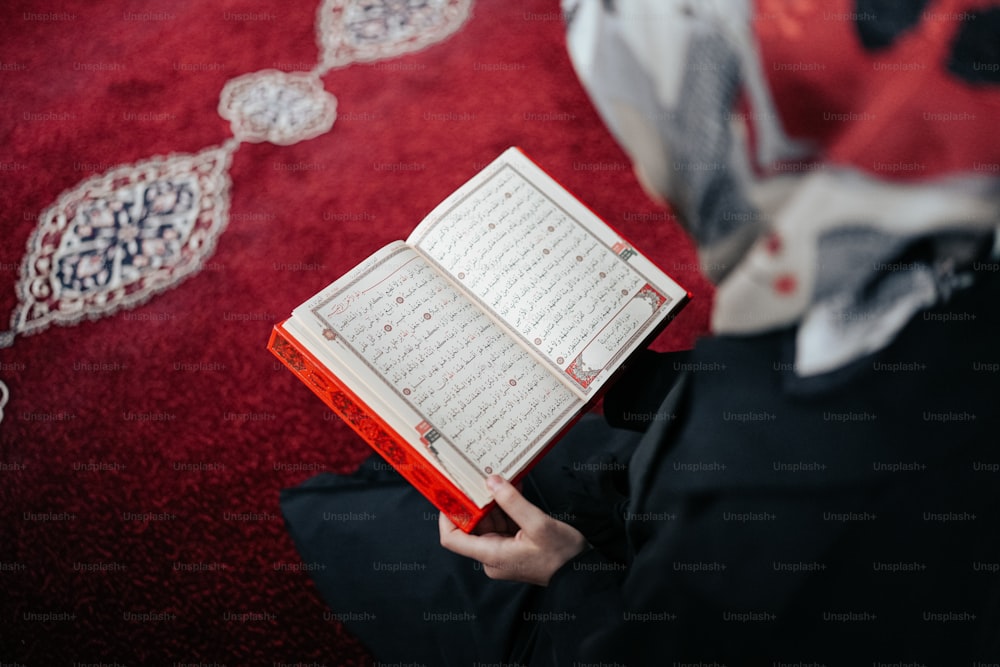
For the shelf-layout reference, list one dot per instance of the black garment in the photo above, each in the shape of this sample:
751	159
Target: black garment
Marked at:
760	520
372	545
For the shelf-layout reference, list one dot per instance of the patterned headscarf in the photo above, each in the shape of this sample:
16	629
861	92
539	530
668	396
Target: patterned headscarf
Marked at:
835	162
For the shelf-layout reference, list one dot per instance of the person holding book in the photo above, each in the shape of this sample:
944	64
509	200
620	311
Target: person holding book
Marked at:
816	482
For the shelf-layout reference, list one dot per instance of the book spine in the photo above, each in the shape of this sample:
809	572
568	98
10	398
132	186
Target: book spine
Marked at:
397	452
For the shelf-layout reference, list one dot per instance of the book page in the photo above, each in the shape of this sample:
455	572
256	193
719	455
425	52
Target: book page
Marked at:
467	393
526	250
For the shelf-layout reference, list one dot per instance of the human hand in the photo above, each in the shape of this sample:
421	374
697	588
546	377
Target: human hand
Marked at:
517	541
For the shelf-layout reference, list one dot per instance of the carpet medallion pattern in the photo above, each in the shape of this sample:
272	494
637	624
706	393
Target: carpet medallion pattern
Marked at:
116	240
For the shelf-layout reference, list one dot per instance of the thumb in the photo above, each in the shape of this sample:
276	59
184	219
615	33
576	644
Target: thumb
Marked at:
526	515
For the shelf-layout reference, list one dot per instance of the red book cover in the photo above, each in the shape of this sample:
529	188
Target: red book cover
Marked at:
437	488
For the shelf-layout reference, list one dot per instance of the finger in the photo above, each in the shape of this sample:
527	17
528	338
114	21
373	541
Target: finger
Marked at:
520	510
484	548
445	525
453	538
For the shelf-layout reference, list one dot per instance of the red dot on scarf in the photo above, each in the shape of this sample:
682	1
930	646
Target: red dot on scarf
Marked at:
785	283
773	243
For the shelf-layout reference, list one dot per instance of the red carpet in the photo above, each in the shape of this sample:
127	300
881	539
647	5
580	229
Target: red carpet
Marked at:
142	452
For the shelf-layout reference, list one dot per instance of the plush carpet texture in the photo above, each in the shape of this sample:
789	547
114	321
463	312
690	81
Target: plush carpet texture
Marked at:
148	431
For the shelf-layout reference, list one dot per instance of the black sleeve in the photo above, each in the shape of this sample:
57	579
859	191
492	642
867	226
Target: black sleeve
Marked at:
700	588
633	399
835	578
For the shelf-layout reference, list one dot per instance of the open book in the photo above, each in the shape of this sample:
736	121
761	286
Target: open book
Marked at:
468	349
